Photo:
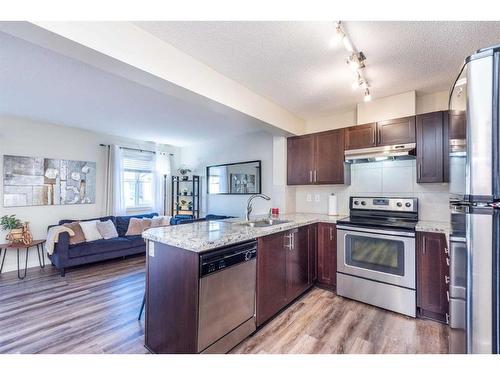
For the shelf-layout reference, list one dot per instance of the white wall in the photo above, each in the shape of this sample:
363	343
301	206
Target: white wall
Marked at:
394	106
389	178
252	146
437	101
28	138
339	120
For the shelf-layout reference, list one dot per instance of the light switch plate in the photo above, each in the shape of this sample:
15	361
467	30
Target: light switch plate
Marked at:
316	197
308	198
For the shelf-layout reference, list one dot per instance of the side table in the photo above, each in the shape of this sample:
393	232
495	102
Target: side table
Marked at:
20	246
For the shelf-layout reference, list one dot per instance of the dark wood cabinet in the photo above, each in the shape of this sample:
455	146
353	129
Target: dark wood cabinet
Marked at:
361	136
327	255
313	254
300	160
432	276
271	276
317	159
329	166
284	269
396	131
430	147
297	263
457	124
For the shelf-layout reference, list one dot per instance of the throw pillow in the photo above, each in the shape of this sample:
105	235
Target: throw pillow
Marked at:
160	221
107	229
135	227
90	231
146	223
79	237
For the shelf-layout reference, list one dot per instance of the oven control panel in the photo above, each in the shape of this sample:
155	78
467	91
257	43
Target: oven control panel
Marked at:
384	204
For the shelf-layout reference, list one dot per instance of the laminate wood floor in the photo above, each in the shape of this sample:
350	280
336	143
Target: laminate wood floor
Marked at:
94	310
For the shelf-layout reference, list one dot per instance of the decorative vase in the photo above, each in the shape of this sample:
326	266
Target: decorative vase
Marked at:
15	236
185	178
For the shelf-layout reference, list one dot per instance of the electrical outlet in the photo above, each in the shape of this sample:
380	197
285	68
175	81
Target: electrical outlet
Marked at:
308	198
316	197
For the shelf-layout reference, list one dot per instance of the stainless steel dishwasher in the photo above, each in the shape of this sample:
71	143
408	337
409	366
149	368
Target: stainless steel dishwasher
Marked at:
226	297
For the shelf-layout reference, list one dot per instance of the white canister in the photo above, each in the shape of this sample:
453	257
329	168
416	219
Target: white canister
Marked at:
332	205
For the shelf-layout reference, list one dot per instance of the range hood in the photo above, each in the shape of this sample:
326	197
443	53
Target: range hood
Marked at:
367	155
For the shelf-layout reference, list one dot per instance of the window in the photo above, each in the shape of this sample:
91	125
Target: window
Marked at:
138	170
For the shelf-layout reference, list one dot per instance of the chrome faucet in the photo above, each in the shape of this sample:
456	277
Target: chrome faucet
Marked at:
249	203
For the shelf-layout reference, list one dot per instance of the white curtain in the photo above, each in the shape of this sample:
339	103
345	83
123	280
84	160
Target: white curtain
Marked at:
117	196
161	178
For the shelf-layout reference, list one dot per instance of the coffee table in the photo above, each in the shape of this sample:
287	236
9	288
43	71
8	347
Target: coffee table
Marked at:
20	246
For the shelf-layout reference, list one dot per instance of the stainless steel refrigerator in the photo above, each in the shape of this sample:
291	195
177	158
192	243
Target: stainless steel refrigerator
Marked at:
475	206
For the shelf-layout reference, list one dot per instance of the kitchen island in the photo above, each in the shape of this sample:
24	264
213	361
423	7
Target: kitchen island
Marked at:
176	296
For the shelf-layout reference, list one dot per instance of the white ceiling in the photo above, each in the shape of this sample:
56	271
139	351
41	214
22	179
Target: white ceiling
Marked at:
43	85
292	63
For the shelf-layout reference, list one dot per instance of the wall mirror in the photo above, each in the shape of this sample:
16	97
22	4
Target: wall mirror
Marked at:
234	178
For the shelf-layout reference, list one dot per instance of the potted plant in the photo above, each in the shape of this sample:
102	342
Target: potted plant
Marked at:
184	171
14	226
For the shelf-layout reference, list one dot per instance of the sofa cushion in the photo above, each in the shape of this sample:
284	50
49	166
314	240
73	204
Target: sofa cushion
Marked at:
123	221
104	218
107	229
79	237
135	240
99	246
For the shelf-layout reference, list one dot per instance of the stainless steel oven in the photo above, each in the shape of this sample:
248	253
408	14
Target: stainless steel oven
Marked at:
376	253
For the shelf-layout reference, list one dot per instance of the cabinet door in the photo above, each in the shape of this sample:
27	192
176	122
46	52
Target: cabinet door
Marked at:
432	276
396	131
361	136
300	160
457	122
297	263
327	254
430	166
271	276
329	157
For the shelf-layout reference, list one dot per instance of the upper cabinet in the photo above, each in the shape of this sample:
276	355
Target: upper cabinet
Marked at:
396	131
382	133
361	136
432	146
457	124
317	159
300	160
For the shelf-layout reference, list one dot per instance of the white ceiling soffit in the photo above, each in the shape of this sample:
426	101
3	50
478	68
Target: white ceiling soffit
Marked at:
104	44
43	85
292	64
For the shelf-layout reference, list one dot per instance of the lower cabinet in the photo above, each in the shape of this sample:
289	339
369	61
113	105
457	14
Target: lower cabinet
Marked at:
327	255
432	276
284	269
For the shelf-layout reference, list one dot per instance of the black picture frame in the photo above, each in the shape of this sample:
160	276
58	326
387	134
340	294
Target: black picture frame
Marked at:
259	168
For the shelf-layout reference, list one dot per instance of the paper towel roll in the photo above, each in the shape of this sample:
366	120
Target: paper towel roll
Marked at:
332	205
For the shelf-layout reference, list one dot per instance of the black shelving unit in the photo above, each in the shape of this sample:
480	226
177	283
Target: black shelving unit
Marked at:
192	185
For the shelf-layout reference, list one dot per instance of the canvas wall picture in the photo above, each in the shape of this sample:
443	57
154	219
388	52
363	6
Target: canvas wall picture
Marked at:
38	181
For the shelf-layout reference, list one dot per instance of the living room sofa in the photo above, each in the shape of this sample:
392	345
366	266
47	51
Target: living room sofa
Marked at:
66	255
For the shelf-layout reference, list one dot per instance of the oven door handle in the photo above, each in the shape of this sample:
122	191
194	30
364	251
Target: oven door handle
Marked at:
375	231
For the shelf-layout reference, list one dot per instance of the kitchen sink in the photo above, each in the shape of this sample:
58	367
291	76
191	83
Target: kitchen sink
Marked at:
263	223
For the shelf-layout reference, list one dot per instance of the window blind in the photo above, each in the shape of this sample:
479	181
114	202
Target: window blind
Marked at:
136	161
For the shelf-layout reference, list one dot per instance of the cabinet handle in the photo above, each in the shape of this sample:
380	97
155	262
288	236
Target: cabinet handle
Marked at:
293	241
447	279
311	176
289	237
447	318
423	245
374	136
446	251
315	175
331	234
448	296
448	262
419	171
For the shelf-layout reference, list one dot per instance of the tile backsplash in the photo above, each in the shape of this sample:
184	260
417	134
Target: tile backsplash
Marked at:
387	178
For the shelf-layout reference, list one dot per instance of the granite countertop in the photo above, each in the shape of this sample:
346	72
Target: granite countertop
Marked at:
207	235
433	226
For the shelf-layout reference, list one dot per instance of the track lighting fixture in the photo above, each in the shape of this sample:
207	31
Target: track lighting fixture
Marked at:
355	60
368	96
